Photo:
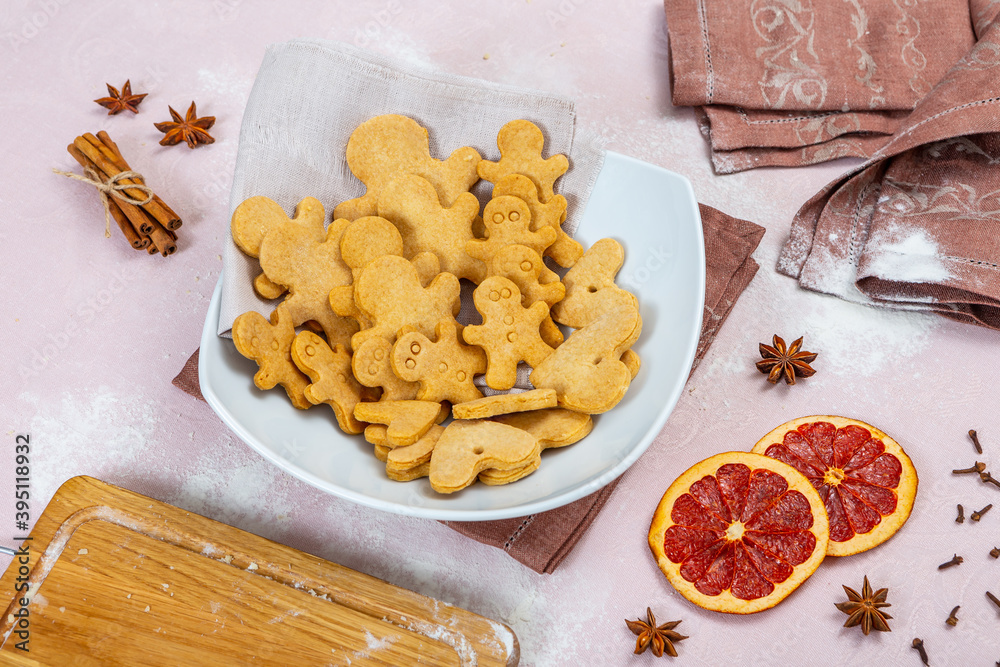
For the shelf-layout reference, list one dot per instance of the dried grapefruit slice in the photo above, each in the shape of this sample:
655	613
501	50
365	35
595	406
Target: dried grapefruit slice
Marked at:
738	532
866	480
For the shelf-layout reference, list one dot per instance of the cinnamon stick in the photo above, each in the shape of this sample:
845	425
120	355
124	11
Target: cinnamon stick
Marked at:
141	222
156	207
162	239
174	220
138	242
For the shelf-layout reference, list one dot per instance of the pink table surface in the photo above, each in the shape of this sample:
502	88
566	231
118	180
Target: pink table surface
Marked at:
93	331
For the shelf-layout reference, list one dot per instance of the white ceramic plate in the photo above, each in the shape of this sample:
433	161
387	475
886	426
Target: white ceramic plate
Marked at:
653	213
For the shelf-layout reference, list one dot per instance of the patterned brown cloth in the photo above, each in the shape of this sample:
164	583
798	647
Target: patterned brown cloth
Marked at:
541	541
917	226
788	83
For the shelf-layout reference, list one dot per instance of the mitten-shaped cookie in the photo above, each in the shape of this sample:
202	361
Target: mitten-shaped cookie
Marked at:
467	447
520	143
509	332
269	344
383	147
333	382
411	204
444	368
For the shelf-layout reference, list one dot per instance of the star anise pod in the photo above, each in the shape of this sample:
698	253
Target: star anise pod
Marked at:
657	638
190	129
865	609
118	102
779	360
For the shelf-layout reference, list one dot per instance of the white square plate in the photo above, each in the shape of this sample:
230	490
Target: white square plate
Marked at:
653	213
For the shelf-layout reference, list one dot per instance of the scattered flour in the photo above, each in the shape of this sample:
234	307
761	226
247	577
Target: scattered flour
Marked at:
914	258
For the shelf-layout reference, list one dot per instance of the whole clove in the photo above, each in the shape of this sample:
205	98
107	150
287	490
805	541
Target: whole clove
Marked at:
961	515
987	478
978	468
918	644
993	598
975	441
952	619
995	552
956	560
976	516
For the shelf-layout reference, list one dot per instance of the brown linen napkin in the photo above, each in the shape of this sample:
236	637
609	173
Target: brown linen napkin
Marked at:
916	227
541	541
795	83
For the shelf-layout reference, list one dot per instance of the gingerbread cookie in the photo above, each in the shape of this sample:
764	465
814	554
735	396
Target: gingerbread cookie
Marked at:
389	292
590	286
291	257
406	420
383	147
372	366
411	204
564	250
586	371
525	268
468	447
333	382
503	404
554	427
508	222
269	344
520	143
413	461
509	332
495	477
444	368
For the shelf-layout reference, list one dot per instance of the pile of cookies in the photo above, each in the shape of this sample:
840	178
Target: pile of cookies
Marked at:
368	321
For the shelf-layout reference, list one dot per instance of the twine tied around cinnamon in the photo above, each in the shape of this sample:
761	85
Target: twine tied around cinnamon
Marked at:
113	188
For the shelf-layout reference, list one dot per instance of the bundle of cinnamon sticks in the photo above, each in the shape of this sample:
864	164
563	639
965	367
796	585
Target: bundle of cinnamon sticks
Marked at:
150	226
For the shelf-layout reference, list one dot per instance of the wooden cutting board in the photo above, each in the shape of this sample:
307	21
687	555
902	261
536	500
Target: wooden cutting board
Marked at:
117	578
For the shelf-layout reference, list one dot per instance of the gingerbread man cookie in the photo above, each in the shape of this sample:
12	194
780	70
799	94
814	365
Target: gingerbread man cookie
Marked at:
525	268
586	371
383	147
508	222
509	332
269	344
291	257
590	286
444	368
372	365
520	143
333	382
411	204
390	293
564	250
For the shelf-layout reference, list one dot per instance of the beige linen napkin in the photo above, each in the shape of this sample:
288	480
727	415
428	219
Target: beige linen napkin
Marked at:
309	95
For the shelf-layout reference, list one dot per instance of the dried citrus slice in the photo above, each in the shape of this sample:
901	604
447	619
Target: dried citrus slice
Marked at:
738	532
866	480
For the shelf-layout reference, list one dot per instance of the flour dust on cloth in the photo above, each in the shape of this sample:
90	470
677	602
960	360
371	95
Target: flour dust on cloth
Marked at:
917	226
778	83
310	95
